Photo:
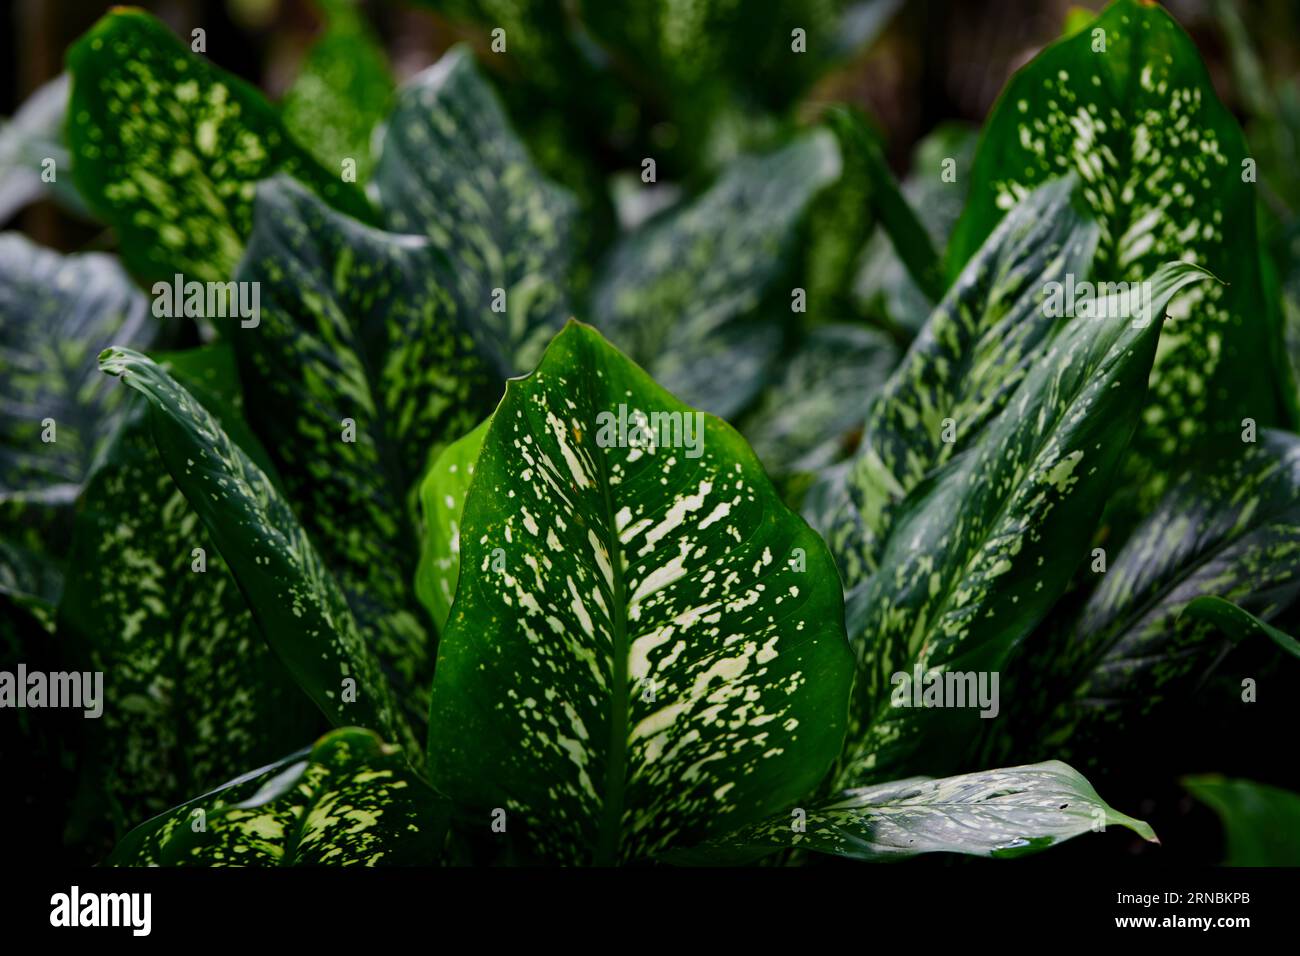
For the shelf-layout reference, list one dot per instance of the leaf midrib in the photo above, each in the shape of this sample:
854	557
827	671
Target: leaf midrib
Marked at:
611	823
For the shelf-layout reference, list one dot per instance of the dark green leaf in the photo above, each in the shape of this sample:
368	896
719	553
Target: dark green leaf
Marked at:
907	234
1239	624
450	168
1262	823
350	800
645	648
884	281
301	612
168	148
684	295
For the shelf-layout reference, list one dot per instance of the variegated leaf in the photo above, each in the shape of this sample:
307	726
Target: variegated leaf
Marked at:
363	364
301	612
193	694
349	800
451	168
684	295
1127	104
984	546
168	148
1229	530
993	813
342	92
646	647
442	500
977	347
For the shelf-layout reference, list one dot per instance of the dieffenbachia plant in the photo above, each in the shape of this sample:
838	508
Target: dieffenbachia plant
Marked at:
532	605
645	651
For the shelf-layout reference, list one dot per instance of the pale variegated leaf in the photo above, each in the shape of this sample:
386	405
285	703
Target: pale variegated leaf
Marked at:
994	813
57	413
808	417
29	139
1228	529
646	648
56	314
363	363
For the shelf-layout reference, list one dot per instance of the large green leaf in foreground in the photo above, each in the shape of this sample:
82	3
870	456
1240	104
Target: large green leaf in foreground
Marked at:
302	613
452	169
349	800
997	813
961	370
646	648
683	294
168	149
985	545
1161	162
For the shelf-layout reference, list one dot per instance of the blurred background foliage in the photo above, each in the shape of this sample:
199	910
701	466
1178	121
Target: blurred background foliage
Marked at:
597	86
